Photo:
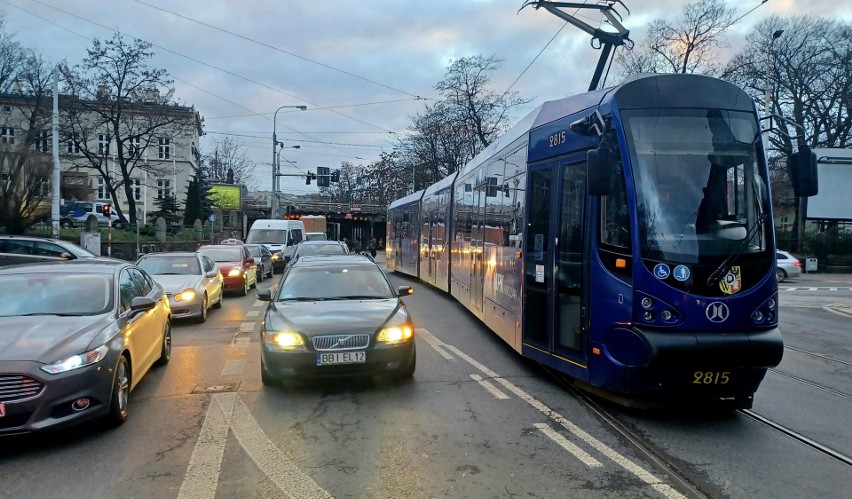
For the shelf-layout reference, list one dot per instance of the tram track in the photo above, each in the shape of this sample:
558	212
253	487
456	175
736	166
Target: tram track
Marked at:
660	461
667	465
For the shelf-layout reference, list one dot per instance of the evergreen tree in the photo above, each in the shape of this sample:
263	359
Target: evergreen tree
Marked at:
192	210
168	205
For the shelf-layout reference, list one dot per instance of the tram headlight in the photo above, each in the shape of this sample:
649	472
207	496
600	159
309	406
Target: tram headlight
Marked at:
647	303
648	316
757	316
666	315
770	304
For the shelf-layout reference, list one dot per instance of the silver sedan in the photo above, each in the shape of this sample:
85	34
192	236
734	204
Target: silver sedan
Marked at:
192	282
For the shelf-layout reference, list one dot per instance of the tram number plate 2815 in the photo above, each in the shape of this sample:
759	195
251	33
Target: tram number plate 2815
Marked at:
711	377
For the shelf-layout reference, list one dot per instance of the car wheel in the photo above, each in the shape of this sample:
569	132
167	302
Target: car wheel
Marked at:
66	224
254	283
203	317
120	393
166	349
245	286
780	275
218	303
407	372
259	274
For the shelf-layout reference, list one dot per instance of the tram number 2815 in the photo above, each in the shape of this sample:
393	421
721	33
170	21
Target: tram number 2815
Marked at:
711	377
557	139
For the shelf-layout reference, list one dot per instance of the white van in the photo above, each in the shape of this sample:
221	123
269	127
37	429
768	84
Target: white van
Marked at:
279	236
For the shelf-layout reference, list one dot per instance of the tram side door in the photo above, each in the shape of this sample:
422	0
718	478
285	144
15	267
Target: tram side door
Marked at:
477	270
554	277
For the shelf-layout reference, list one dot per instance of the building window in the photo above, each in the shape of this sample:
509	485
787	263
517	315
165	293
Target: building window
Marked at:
74	144
103	144
164	188
102	189
7	135
45	189
136	187
43	141
134	147
165	148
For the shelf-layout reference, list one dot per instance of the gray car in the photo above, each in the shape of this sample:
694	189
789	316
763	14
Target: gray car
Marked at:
191	280
68	332
786	266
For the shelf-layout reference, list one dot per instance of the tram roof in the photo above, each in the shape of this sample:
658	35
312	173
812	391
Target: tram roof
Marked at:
413	197
441	184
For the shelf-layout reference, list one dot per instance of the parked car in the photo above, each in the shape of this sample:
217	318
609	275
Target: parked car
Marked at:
192	282
31	249
262	260
787	266
75	214
236	265
68	332
335	316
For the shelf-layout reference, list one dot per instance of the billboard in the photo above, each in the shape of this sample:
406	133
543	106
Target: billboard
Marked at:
226	196
834	171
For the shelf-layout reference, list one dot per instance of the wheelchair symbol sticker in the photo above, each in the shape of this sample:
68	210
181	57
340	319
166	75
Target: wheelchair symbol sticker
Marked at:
662	271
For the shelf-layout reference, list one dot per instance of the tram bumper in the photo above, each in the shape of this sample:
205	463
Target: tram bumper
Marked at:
698	366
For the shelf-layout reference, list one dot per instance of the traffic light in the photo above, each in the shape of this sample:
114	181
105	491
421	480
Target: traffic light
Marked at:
335	176
106	211
323	176
308	177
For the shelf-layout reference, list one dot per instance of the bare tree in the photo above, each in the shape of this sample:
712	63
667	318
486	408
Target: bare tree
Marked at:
450	132
686	45
12	58
805	65
229	161
25	166
121	108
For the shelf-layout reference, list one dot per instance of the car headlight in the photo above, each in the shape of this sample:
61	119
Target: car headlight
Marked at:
185	295
77	361
395	334
285	340
276	256
235	272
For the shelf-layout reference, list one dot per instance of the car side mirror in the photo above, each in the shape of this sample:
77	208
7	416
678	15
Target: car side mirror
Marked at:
249	261
141	303
404	291
264	294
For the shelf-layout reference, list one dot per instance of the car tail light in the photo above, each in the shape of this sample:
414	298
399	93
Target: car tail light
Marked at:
797	263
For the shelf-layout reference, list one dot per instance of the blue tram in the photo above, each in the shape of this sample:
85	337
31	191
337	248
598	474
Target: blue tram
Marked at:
623	237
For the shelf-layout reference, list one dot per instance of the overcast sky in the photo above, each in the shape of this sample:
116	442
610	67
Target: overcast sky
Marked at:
359	65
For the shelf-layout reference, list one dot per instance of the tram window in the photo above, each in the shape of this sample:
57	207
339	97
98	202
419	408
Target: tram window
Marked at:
615	220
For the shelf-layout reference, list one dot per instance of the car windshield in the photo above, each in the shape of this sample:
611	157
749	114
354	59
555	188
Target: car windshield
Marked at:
318	249
267	236
55	294
171	265
334	283
223	254
699	194
254	251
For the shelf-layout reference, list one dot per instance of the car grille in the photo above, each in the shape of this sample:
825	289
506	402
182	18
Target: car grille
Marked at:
340	342
17	387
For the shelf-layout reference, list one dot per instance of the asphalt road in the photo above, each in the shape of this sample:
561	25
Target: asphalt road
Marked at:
476	421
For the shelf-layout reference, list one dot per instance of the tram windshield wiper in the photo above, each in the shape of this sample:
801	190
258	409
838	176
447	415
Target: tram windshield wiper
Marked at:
729	261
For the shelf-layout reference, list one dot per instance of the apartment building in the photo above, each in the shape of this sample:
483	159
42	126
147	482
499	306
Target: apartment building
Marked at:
156	143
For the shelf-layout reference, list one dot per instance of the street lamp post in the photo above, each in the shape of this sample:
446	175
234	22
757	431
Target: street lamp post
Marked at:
770	81
273	204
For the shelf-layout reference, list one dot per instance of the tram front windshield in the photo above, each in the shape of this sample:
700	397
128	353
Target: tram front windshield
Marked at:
700	191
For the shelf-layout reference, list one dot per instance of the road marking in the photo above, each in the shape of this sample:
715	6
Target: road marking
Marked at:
277	467
434	342
202	475
493	390
227	411
843	313
242	342
252	313
258	303
622	461
246	327
573	449
234	367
